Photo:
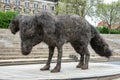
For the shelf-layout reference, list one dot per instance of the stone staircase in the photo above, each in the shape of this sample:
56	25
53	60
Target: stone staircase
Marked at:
10	52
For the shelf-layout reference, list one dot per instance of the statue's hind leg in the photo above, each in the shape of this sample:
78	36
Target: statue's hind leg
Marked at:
81	49
78	49
81	62
86	61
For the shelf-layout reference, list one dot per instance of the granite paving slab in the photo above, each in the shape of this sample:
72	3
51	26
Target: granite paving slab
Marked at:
68	71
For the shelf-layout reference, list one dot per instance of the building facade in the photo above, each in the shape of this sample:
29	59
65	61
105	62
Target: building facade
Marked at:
27	6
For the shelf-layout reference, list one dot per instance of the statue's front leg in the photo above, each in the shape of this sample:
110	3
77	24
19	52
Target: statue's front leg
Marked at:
58	65
51	51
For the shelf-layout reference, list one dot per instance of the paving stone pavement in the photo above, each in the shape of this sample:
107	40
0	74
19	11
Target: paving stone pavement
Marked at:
68	71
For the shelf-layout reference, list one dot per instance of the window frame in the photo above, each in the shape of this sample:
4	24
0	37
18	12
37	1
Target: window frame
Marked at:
7	1
44	6
17	2
36	5
27	3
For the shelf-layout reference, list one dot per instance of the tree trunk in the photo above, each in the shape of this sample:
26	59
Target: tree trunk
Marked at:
109	29
57	7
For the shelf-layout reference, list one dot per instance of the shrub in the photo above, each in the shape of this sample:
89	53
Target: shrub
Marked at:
105	30
115	31
5	18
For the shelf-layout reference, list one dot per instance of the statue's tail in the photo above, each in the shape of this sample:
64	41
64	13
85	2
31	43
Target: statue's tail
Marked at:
99	45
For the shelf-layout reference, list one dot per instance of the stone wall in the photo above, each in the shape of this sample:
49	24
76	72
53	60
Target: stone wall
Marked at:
15	5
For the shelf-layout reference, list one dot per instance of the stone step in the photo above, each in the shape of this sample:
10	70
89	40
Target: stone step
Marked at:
19	55
32	53
31	61
34	49
39	46
26	57
10	46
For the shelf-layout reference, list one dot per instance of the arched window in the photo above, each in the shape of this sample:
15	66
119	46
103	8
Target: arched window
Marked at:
17	9
7	8
27	11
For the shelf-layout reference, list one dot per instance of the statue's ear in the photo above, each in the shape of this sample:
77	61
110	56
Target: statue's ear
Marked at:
14	25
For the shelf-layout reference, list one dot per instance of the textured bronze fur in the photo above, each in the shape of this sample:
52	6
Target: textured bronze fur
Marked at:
55	30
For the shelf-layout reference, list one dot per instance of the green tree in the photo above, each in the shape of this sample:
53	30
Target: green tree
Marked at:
79	7
110	13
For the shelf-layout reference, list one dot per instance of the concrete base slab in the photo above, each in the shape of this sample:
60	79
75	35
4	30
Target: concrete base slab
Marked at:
68	71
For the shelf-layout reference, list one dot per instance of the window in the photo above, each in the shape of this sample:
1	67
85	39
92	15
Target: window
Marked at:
35	11
26	3
27	11
36	5
17	2
7	1
17	9
44	6
52	7
7	8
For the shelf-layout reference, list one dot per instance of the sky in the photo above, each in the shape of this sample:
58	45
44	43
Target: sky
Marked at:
109	1
94	21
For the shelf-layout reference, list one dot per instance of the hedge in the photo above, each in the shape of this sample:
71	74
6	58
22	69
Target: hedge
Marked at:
115	31
105	30
5	18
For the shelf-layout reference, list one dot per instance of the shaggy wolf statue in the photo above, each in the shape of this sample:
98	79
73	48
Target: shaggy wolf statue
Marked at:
56	30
